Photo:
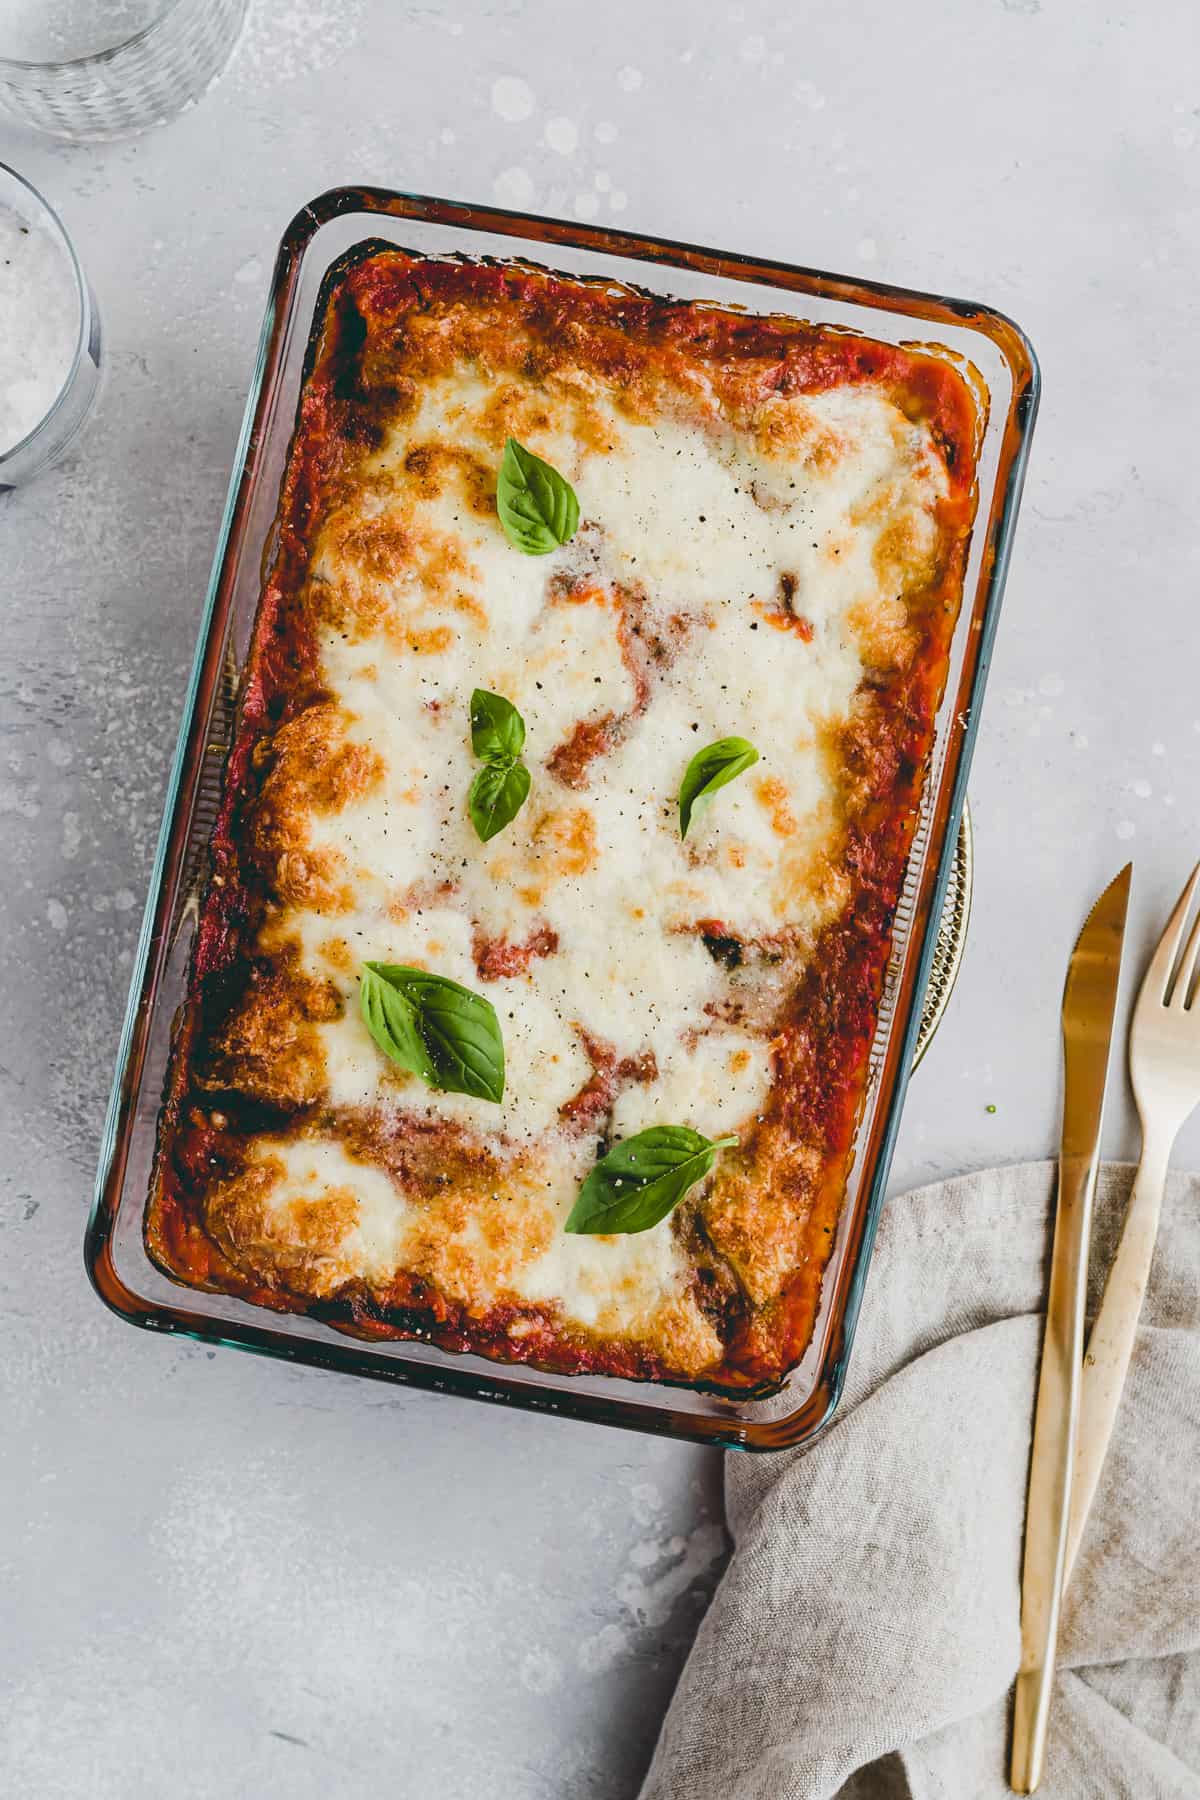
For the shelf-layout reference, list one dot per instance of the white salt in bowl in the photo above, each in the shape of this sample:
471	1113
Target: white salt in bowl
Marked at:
49	334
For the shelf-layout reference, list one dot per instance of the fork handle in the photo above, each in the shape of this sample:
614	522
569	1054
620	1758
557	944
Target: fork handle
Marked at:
1114	1333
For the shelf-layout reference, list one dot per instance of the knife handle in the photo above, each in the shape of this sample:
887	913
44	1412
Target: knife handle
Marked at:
1054	1431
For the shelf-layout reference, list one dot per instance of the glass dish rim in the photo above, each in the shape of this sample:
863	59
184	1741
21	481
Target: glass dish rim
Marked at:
82	294
660	1411
93	58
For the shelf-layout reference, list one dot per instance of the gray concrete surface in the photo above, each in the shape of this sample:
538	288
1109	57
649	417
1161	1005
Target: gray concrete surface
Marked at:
223	1577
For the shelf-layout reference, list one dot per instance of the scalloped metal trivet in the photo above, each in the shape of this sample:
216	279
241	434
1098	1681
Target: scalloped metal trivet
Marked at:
208	795
951	937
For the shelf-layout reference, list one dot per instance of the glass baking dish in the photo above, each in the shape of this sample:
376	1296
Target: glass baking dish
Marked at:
117	1262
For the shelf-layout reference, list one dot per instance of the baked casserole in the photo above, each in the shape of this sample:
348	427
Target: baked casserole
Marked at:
579	752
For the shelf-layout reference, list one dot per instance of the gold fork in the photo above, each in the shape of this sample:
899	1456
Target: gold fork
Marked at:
1164	1064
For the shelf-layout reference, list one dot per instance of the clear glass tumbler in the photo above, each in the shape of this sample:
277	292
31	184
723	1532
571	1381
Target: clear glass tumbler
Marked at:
101	68
49	334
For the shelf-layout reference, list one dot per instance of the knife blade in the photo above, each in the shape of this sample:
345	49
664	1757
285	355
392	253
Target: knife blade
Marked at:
1088	1009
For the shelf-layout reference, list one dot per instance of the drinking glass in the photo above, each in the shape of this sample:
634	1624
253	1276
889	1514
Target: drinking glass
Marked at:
101	68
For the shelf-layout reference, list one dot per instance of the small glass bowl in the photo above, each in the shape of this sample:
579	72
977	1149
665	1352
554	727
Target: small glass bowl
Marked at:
138	81
48	438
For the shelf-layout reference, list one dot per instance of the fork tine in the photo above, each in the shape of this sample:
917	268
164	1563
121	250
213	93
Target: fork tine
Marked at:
1187	967
1157	983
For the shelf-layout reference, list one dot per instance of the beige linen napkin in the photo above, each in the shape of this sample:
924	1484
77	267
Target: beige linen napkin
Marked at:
865	1636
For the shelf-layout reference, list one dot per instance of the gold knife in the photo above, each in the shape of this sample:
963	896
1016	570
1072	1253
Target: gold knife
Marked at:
1089	1004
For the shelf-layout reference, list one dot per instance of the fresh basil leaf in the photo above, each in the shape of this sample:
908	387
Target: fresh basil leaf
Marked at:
537	506
436	1029
497	794
501	787
642	1179
497	728
392	1022
709	770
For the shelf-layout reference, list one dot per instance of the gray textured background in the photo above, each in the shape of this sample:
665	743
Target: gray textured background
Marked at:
223	1577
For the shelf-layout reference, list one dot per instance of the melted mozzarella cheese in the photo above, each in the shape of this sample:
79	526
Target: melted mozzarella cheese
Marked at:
308	1171
607	1283
707	529
717	1084
681	511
